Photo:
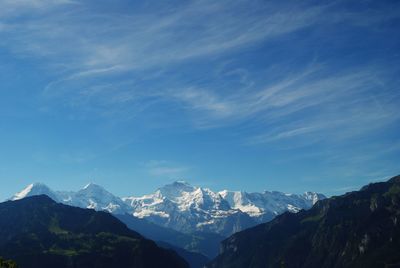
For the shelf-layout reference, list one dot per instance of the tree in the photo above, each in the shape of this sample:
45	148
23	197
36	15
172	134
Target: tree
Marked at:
7	263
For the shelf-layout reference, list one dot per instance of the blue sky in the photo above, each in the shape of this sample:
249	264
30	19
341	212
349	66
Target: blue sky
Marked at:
244	95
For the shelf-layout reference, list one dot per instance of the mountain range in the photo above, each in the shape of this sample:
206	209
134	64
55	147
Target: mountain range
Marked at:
185	208
91	196
180	216
358	229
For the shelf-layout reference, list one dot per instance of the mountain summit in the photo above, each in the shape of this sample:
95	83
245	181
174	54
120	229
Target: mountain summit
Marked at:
36	189
96	197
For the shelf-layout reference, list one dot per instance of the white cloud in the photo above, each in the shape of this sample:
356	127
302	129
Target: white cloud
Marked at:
100	59
86	43
349	101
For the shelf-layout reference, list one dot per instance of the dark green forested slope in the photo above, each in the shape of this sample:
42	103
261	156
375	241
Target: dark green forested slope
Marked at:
37	232
7	263
358	229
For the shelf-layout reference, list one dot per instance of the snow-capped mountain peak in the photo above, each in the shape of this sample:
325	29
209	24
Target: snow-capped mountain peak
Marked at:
91	196
24	193
93	189
96	197
239	200
271	203
313	197
35	189
90	185
175	189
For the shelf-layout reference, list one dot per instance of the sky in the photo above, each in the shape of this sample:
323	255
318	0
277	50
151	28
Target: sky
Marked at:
256	95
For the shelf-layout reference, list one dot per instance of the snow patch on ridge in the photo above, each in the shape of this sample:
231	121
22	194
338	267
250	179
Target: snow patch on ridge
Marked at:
24	193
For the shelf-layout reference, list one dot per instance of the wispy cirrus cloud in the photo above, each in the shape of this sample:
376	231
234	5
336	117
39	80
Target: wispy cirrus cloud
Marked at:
267	80
81	44
345	104
88	49
136	62
85	44
98	41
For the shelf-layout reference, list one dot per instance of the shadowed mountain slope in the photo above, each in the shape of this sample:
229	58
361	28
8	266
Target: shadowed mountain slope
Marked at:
38	232
197	242
358	229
